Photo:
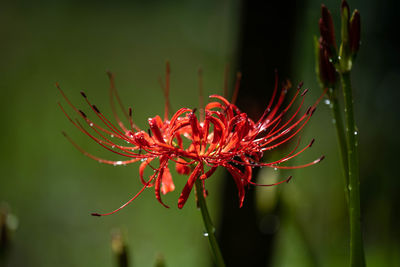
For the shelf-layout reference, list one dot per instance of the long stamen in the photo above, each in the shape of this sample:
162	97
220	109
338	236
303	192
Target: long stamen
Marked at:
129	201
101	160
225	86
201	95
237	86
278	183
114	91
298	166
167	88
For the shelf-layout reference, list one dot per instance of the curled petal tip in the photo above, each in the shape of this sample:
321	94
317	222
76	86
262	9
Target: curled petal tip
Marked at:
288	179
95	214
83	94
321	158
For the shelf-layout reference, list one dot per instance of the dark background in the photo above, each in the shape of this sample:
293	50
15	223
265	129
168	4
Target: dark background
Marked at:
51	188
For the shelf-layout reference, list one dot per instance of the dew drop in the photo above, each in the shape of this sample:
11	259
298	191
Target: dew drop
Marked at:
205	234
275	169
91	124
350	188
111	135
113	146
327	101
355	133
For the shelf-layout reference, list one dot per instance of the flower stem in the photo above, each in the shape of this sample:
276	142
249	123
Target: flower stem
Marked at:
218	259
338	122
357	257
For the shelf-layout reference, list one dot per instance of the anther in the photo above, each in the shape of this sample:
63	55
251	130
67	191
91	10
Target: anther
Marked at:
313	110
311	143
83	114
96	109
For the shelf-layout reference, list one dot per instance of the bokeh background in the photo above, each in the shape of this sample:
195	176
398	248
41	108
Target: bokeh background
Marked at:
50	188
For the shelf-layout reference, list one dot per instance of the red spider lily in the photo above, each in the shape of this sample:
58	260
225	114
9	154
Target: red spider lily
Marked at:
224	136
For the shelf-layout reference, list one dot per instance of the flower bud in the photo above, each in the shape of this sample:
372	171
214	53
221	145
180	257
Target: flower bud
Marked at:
344	52
355	32
325	70
345	12
326	28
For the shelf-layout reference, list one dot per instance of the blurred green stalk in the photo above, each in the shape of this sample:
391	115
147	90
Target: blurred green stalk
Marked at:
210	229
119	249
357	257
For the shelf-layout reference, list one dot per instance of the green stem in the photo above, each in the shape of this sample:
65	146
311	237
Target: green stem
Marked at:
218	259
357	257
338	122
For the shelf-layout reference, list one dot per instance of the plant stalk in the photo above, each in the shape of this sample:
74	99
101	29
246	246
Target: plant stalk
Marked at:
210	230
357	258
338	122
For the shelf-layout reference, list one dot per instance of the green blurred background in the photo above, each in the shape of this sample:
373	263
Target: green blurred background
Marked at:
51	188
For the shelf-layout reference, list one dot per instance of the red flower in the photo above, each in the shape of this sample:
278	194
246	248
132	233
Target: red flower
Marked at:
225	137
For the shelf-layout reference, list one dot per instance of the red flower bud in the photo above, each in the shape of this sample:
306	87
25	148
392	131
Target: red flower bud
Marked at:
355	32
327	71
326	27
